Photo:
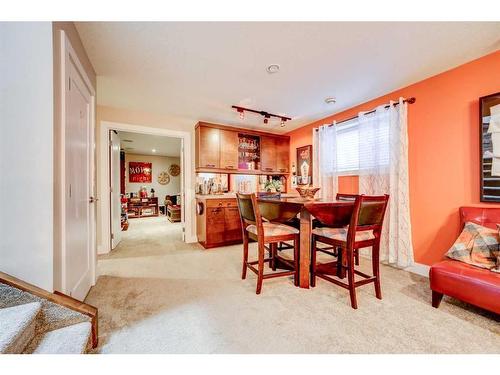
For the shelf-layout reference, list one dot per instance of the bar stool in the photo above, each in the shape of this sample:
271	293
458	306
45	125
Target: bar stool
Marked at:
255	228
332	250
364	231
350	197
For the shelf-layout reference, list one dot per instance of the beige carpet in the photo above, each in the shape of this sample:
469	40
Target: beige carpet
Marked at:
156	294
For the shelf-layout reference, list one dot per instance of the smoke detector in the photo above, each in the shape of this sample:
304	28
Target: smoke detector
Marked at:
330	100
273	68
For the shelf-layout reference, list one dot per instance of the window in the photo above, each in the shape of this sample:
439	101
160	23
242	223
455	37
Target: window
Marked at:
348	147
362	146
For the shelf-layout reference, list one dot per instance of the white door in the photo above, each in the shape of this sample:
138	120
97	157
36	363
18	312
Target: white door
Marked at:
182	202
114	157
78	277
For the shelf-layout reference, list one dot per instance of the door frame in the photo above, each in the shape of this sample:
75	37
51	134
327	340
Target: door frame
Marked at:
111	169
67	53
187	196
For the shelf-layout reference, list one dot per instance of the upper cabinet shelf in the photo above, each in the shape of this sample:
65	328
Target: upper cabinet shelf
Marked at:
225	149
248	152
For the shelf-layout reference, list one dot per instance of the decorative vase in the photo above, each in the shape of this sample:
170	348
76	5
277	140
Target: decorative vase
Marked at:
307	192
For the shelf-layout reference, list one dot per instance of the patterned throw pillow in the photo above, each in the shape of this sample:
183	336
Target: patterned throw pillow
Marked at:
497	266
477	246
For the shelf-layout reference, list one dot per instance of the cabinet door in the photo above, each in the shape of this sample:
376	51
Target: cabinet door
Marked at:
282	155
232	224
208	147
228	149
215	226
267	154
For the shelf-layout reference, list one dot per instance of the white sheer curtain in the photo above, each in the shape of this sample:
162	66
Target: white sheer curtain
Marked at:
383	169
325	161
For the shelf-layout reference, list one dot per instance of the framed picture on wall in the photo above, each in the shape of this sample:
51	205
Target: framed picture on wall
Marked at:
304	165
140	172
489	125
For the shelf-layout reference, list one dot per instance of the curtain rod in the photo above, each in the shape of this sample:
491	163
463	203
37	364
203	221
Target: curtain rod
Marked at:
409	101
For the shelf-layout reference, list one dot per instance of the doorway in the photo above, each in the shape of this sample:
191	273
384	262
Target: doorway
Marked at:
184	198
146	187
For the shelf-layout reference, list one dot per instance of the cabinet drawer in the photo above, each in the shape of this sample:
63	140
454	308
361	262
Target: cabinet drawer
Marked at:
227	202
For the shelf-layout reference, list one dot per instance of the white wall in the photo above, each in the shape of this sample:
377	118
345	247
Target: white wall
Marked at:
26	152
159	164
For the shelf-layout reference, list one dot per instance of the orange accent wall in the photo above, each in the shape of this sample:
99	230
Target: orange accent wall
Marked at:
443	133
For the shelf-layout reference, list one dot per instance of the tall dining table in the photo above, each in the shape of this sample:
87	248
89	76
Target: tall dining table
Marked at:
333	213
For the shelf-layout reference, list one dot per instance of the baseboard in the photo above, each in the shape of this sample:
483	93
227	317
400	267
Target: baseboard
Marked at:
419	269
101	250
416	268
191	239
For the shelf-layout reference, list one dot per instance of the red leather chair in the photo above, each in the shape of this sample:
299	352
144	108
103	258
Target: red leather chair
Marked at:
462	281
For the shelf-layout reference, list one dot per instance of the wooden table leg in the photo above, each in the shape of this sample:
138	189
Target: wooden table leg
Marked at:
341	263
305	248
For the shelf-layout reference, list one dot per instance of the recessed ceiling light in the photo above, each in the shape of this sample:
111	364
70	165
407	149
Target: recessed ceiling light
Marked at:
273	68
153	150
330	100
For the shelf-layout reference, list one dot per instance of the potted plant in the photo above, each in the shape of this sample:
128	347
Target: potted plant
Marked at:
272	188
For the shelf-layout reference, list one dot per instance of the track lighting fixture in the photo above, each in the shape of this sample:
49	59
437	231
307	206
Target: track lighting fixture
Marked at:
266	115
242	114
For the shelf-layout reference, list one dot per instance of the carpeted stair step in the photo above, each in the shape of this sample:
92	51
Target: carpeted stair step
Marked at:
72	339
17	326
52	316
10	296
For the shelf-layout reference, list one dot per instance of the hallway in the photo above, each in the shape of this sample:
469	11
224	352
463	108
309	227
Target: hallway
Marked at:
156	294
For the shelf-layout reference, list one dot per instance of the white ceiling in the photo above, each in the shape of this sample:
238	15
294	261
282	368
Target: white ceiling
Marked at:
197	70
144	144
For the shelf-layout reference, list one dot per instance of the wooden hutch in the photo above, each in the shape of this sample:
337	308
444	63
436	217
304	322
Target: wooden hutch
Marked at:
229	150
224	149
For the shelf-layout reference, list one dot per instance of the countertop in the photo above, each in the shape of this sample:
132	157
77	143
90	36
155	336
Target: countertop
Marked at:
204	197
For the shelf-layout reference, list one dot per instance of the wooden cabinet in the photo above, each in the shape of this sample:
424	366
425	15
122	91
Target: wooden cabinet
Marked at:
228	149
267	154
282	155
218	222
218	150
207	147
275	154
232	223
215	225
142	207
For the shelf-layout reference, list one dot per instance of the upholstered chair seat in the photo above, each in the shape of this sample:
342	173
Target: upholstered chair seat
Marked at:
273	229
268	235
340	234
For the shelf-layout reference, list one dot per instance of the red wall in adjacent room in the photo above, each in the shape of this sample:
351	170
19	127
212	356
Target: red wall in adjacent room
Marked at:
443	132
